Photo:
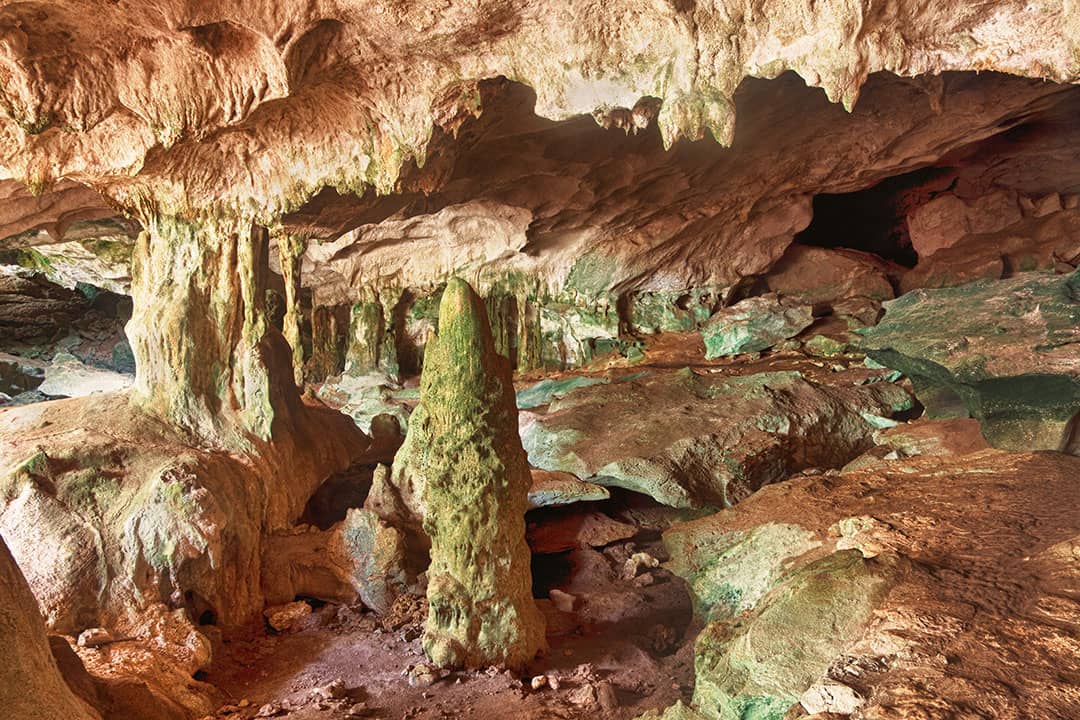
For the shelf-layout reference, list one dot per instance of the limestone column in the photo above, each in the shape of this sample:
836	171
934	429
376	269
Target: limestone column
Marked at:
290	257
464	455
206	359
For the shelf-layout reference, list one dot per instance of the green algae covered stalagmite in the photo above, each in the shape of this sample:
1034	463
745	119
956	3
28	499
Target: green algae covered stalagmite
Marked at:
464	445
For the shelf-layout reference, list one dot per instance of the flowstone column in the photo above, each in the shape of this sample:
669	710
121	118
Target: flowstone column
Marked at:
290	258
206	359
465	450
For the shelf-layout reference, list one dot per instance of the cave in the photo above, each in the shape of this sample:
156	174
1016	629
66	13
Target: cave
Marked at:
672	361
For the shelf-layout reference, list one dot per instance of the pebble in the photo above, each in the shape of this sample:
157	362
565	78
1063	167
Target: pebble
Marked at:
539	682
94	637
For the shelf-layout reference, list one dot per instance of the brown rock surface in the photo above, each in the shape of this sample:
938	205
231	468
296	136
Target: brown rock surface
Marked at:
31	687
977	612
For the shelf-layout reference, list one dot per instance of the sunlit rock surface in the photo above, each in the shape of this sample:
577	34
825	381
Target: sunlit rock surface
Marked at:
806	584
32	687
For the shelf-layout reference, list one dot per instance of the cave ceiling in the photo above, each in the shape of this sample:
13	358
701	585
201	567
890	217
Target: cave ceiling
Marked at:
605	145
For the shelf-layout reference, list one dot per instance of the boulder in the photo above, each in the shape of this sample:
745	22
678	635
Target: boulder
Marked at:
753	325
813	595
550	488
826	275
688	440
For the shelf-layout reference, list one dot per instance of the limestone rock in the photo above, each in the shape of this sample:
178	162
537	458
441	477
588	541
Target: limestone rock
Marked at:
794	555
117	514
463	448
752	666
361	557
1000	351
689	440
816	275
551	488
67	376
285	617
31	687
753	324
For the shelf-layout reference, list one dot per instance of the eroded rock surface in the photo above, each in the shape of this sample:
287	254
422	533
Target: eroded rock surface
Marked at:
913	601
687	438
32	687
1003	352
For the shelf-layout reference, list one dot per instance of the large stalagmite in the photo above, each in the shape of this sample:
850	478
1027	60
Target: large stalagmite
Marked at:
464	447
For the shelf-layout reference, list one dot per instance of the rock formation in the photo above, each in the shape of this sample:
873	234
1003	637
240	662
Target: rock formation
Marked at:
32	688
1003	352
730	250
688	440
463	453
855	595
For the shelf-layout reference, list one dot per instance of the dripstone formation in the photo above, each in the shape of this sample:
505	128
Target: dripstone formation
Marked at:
464	447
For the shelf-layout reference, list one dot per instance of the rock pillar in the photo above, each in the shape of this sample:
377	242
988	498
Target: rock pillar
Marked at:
464	455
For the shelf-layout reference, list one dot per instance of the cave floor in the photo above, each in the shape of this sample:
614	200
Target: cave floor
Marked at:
625	649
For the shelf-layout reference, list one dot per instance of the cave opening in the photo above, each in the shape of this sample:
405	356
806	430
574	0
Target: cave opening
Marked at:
874	219
338	494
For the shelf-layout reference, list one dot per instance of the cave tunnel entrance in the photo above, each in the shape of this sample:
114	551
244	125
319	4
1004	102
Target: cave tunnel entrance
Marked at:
874	219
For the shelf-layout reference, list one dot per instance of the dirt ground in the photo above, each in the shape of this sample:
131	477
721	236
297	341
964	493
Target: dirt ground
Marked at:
624	647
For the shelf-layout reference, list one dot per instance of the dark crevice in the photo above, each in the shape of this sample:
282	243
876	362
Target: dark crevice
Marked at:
874	220
337	495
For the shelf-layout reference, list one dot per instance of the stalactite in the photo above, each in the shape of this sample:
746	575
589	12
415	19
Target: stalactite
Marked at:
206	359
290	255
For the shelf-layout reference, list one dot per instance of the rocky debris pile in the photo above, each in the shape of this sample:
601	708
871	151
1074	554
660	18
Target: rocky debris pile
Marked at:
812	597
1000	351
689	439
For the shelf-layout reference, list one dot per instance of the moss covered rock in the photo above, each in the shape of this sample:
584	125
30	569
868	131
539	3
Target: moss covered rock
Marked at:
756	666
752	325
464	457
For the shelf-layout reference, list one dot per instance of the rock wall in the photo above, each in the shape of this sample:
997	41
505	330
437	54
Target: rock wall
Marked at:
31	688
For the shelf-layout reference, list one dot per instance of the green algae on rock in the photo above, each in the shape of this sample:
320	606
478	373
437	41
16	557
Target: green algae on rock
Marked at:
758	665
689	440
753	325
1000	351
464	454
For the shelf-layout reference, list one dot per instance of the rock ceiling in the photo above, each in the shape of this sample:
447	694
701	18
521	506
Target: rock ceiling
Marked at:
290	114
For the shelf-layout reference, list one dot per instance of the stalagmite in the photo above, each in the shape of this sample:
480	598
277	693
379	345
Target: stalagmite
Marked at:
463	445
